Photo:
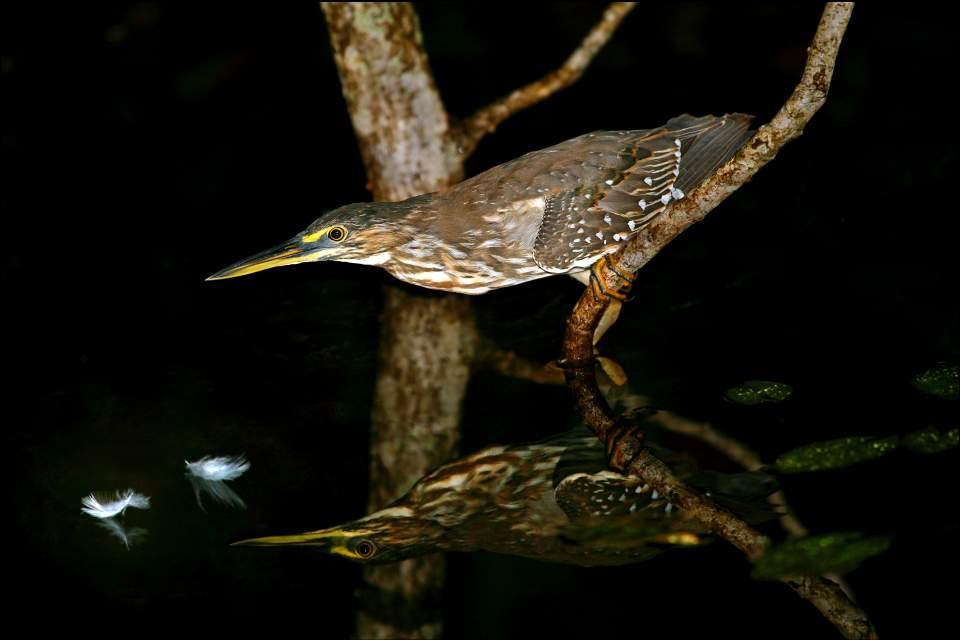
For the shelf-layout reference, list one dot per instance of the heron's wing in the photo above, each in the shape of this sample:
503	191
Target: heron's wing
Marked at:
604	186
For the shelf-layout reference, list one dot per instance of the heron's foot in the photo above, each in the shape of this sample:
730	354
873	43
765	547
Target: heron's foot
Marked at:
624	444
605	270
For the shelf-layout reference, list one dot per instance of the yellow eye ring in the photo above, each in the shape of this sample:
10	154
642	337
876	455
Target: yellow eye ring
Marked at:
337	234
365	548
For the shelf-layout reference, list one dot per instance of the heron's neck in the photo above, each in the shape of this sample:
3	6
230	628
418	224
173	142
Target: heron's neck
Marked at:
408	220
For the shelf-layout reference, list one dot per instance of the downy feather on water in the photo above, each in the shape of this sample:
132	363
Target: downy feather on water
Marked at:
218	467
101	506
209	475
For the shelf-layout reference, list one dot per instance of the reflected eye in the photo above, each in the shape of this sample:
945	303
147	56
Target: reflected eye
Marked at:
365	548
337	234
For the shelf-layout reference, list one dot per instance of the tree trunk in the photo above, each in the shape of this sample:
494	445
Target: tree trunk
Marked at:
428	341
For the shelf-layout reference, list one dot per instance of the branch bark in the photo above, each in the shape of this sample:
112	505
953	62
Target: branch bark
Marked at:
512	365
748	459
487	119
624	443
735	451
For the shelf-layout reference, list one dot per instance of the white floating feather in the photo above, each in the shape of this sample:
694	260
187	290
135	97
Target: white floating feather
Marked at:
219	467
103	507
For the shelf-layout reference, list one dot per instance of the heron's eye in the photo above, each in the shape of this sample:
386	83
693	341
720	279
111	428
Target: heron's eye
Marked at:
365	549
337	234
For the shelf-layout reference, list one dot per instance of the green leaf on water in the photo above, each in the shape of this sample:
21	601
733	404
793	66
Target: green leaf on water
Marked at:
835	454
816	555
932	440
754	392
942	381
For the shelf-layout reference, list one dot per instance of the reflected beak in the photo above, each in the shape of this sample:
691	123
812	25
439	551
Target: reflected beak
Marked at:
310	539
327	540
291	252
314	539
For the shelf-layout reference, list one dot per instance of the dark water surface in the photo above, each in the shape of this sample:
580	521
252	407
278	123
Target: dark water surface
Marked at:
153	144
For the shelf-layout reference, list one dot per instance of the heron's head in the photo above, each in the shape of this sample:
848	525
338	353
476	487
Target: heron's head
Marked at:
363	233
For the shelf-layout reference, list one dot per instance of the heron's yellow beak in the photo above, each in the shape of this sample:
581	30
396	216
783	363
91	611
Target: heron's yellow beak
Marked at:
292	252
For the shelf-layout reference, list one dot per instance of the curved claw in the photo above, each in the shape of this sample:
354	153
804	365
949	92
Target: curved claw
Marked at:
609	317
613	370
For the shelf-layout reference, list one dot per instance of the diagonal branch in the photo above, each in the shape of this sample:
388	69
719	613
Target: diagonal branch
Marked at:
786	125
735	451
624	443
748	459
512	365
487	119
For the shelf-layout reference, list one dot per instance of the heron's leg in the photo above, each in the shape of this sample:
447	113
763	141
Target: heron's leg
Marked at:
609	316
604	271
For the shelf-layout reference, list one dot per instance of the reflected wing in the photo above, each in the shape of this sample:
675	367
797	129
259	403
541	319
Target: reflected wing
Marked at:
606	493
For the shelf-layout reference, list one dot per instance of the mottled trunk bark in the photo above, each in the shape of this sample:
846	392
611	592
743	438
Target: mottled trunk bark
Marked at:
426	351
428	341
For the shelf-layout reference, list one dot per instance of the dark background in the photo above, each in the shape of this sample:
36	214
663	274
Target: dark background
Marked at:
147	145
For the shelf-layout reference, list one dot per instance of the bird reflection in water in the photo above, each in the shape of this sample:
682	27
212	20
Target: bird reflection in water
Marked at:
552	500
